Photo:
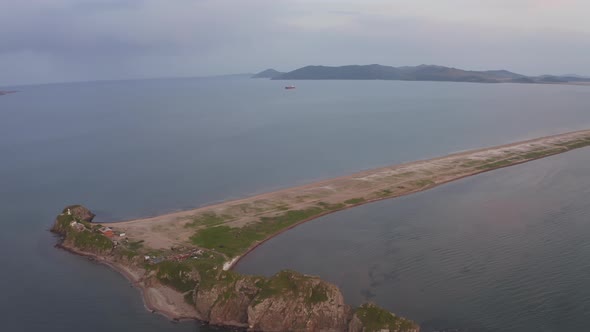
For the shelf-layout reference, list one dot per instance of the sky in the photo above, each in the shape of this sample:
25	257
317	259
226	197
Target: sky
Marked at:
44	41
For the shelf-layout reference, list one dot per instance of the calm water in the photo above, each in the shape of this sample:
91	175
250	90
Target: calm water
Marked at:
138	148
504	251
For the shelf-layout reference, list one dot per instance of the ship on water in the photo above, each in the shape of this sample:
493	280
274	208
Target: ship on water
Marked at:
289	87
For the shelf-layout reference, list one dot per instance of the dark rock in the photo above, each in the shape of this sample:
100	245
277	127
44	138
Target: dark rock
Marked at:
79	212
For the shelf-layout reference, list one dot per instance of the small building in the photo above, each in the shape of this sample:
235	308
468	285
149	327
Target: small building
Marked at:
107	231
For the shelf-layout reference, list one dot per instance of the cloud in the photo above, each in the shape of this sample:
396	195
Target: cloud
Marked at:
61	40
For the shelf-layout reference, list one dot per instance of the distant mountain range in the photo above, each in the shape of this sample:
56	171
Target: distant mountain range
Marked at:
416	73
269	73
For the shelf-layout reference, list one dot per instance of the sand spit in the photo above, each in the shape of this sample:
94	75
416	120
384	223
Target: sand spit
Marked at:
175	229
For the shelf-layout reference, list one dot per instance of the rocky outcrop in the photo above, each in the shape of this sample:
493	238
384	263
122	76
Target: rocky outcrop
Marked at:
290	301
73	224
80	213
369	317
287	301
71	213
226	302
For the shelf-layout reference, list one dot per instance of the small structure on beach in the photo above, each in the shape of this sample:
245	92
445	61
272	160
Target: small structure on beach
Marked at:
107	231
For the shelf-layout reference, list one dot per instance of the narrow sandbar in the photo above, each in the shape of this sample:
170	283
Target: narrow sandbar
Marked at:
327	196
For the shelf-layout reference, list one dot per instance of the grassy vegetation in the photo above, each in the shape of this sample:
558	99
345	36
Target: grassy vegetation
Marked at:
318	295
234	241
86	224
208	219
63	222
471	163
226	284
383	193
405	174
130	249
135	245
209	270
541	153
282	207
176	275
281	283
423	182
496	164
183	275
580	143
376	319
331	207
88	240
576	145
290	283
354	201
127	253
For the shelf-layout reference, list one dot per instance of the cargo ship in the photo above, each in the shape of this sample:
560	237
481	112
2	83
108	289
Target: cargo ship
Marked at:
289	87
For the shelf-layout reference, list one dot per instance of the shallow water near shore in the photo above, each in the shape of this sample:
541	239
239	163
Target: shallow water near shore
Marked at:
137	148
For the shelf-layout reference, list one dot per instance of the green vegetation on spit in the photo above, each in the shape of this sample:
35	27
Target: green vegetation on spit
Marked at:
423	182
383	193
176	275
354	201
88	239
377	319
208	219
234	241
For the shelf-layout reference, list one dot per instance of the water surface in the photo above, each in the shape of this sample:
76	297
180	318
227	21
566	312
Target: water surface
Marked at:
507	250
130	149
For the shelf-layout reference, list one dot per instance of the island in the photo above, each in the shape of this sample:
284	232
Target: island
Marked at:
268	73
182	261
416	73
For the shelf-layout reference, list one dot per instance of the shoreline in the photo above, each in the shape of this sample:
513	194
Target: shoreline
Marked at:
236	260
136	283
180	213
338	189
227	232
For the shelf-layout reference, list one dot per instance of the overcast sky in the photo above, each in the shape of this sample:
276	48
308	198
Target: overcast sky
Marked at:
72	40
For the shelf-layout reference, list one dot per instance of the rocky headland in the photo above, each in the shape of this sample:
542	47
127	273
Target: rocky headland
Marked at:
190	283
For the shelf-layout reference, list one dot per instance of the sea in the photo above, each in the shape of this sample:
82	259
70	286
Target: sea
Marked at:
503	251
